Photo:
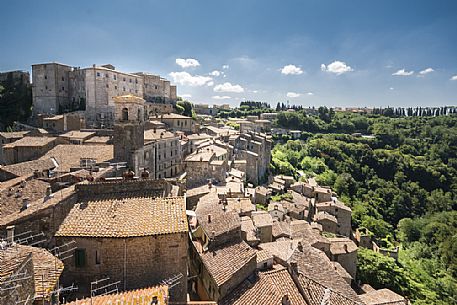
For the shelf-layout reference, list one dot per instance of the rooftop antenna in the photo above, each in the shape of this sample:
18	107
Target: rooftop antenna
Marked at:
104	289
31	240
173	280
61	252
26	301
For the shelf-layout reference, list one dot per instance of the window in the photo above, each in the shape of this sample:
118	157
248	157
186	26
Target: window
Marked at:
123	79
98	73
136	81
123	89
80	257
63	78
45	77
46	87
107	75
114	76
63	88
97	257
125	114
265	265
130	80
107	86
155	87
115	87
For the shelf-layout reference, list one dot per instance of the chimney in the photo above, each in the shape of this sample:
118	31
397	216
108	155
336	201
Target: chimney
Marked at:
10	234
285	300
209	218
48	191
300	246
25	203
294	267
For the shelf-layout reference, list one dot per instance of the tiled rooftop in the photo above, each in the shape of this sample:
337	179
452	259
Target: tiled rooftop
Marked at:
30	142
125	216
46	267
133	297
77	134
12	197
222	263
268	288
157	134
28	167
319	273
261	219
221	221
14	134
383	296
69	156
342	245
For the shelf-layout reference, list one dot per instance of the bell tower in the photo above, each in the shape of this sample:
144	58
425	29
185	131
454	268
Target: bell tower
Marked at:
128	137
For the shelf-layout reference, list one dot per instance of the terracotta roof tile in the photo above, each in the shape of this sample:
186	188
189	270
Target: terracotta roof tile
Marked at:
268	288
125	216
68	156
383	297
134	297
222	263
28	167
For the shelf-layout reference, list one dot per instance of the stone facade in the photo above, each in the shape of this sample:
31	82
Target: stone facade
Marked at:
256	150
59	88
136	262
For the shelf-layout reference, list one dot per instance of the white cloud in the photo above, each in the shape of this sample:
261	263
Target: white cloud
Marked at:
255	91
426	71
228	87
225	67
454	77
403	72
293	94
391	88
218	97
210	84
337	67
215	73
291	70
186	95
310	93
187	62
187	79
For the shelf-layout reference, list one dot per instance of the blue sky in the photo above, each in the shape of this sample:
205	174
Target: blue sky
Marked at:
314	52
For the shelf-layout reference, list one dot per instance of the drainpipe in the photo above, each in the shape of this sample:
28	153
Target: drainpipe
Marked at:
125	265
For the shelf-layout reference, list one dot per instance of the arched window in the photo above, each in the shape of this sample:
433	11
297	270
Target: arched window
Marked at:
125	114
139	115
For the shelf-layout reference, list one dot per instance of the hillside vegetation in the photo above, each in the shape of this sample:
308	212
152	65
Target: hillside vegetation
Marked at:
401	183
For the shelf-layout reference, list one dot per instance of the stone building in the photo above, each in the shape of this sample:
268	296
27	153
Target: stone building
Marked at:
17	77
128	137
341	213
59	88
27	148
344	251
165	161
178	122
263	222
9	137
256	150
128	233
206	163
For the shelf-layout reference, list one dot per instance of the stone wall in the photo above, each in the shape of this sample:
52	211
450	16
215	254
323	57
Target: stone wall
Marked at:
162	187
136	262
50	88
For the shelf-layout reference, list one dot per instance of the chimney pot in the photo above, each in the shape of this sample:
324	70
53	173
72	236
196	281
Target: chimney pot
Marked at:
10	234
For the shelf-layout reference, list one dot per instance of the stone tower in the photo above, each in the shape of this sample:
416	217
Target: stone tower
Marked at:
128	137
